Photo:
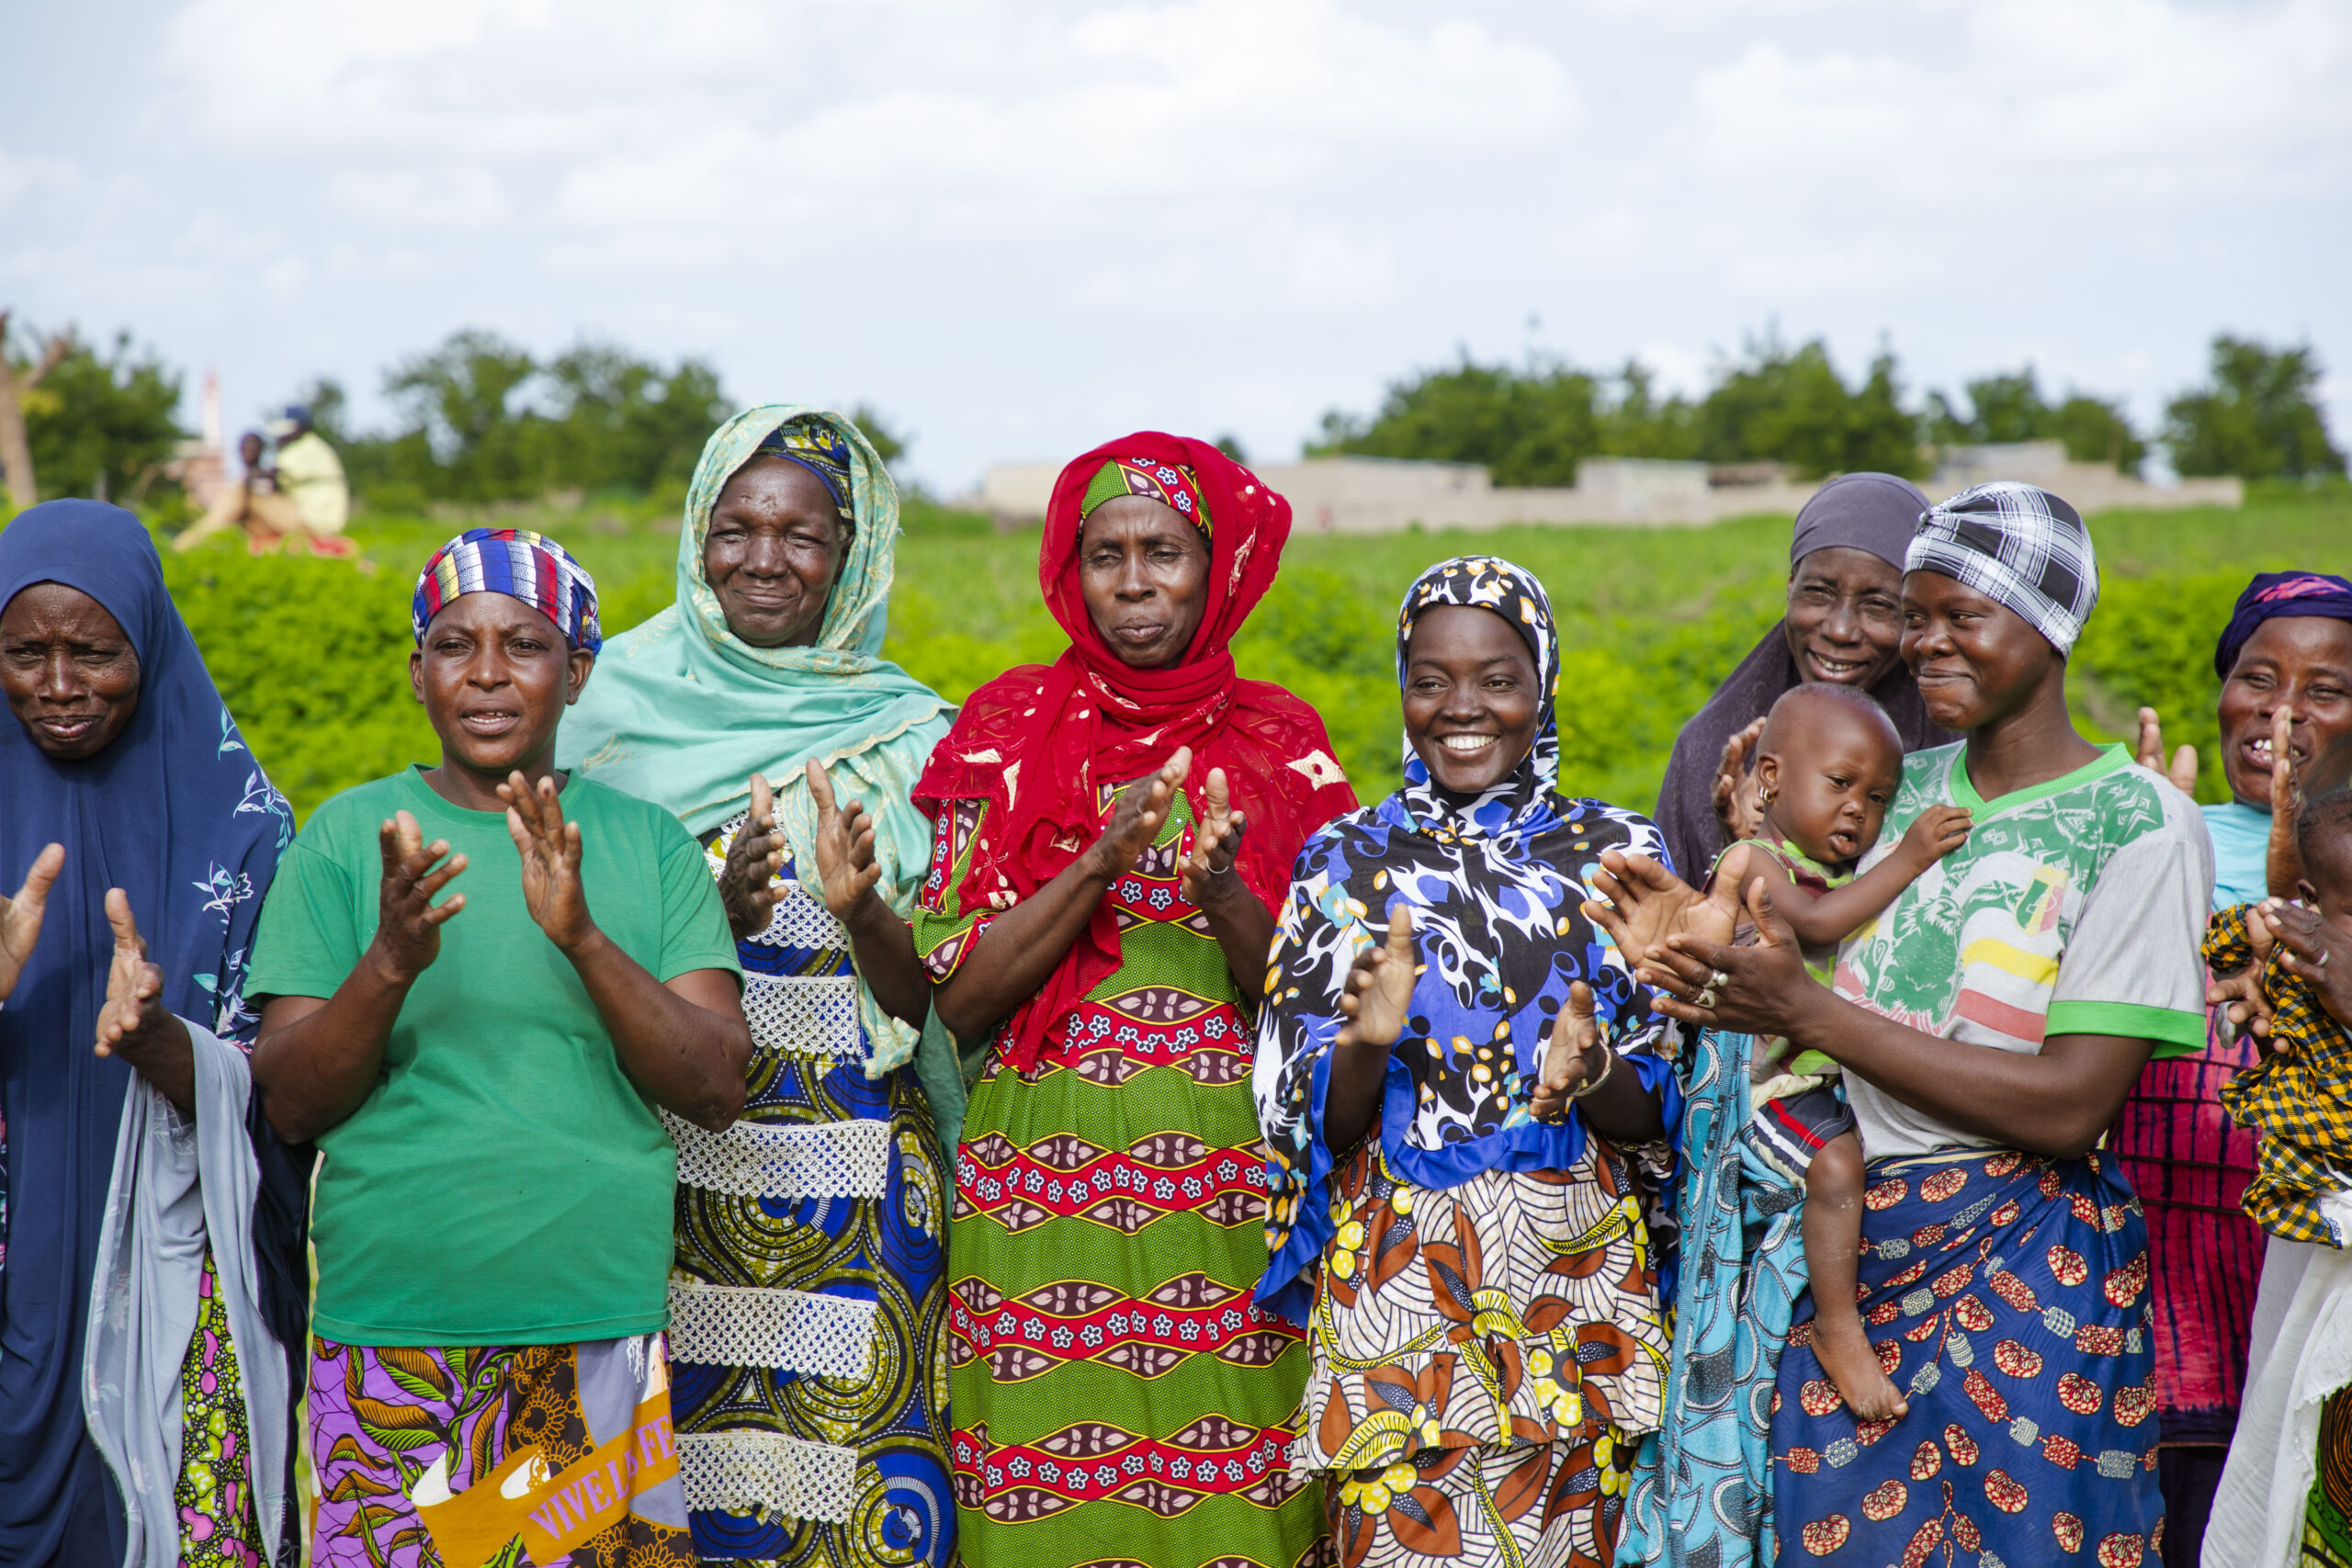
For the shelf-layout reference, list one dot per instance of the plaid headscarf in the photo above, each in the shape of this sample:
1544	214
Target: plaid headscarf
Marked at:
516	562
1174	485
818	448
2017	544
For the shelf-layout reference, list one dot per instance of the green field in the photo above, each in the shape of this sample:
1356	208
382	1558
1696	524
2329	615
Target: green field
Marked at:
311	656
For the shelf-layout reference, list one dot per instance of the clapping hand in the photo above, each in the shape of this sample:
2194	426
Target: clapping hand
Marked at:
550	849
1378	996
845	862
1739	805
1646	904
2182	770
1135	818
408	924
1574	1055
1216	838
133	1015
747	888
20	917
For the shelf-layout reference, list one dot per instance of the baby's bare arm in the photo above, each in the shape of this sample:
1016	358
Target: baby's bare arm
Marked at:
1831	917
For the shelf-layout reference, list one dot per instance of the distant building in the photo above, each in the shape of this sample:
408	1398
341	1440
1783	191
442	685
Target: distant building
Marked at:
1387	495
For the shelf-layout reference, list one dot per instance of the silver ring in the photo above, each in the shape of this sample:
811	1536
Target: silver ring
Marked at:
1716	979
1705	998
2322	959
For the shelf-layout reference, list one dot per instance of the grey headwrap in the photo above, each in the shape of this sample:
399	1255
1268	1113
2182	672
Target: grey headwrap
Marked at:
1876	513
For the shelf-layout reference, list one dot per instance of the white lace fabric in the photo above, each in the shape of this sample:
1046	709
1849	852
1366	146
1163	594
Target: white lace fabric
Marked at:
750	1326
803	1017
752	1159
769	1474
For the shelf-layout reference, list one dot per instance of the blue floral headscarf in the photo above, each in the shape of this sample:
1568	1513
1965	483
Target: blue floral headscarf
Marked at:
1496	885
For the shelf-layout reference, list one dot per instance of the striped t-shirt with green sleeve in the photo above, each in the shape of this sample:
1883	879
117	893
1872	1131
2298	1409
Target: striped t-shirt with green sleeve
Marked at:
2074	907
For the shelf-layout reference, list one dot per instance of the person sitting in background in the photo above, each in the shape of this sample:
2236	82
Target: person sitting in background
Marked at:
493	1218
303	495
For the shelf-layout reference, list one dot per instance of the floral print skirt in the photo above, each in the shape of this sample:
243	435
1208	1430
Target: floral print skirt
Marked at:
1485	1358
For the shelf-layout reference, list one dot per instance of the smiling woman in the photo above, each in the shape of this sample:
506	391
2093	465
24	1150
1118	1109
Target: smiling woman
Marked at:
1844	625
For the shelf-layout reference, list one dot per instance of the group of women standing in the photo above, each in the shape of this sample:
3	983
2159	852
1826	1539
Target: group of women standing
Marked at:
1337	1184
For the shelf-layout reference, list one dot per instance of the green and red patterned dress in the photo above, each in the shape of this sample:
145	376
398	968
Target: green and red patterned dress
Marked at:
1118	1395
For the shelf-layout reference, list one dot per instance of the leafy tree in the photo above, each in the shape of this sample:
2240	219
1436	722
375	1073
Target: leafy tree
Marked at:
1529	428
2007	408
887	441
1534	427
1791	406
98	424
2257	418
618	423
461	398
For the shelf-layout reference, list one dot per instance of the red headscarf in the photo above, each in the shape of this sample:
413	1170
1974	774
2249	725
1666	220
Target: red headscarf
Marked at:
1038	741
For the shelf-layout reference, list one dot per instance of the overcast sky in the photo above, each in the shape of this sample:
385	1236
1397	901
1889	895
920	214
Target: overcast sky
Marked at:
1018	229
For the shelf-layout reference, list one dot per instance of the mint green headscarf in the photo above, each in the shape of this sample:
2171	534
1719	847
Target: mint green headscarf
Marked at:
682	712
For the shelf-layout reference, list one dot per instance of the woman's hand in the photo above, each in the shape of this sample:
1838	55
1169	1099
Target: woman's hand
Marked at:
1135	818
2316	952
1574	1055
408	924
1378	996
2283	857
1752	990
747	890
133	1023
845	863
2182	770
550	849
2241	993
1647	904
1737	805
20	917
1216	838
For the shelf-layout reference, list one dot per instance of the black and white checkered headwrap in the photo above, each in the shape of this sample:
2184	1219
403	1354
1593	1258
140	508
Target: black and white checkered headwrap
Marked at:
2017	544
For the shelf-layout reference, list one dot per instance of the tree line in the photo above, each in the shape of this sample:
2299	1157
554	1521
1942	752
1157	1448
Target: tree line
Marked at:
478	419
2256	416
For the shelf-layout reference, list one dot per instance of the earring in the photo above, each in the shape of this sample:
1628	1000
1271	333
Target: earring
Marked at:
1765	797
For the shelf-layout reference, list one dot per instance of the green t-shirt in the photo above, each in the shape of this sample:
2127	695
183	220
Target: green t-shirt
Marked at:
2073	908
503	1182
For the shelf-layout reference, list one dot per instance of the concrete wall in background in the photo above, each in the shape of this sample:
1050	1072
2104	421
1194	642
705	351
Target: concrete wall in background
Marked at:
1382	495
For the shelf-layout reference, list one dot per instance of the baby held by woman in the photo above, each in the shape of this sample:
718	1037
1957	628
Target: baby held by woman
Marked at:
1827	766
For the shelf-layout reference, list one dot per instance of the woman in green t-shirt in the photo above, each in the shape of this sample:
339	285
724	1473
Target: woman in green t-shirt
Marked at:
491	1218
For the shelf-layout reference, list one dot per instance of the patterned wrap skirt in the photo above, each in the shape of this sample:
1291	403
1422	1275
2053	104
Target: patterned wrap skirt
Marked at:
482	1456
2008	1296
809	1296
1485	1357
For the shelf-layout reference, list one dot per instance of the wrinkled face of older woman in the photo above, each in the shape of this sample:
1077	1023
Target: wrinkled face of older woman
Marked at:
70	672
1845	619
1471	700
1977	661
775	545
1145	573
494	676
2302	663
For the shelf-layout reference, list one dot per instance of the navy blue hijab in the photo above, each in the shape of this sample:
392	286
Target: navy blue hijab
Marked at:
176	813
